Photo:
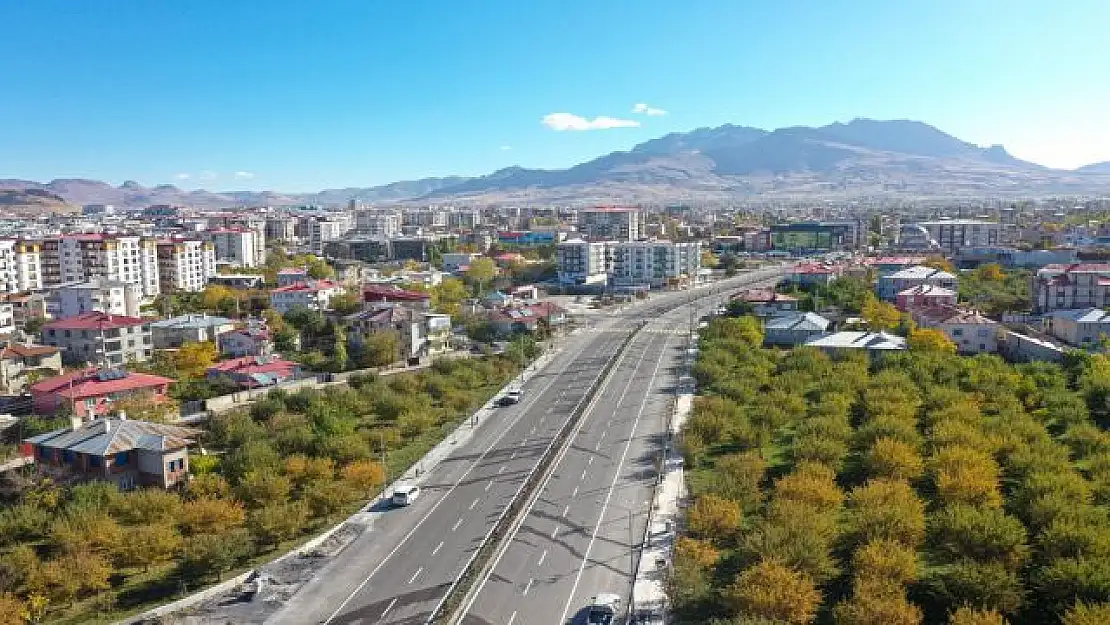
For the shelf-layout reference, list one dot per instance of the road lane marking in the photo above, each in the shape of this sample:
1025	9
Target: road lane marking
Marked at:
575	493
616	475
512	618
555	532
533	430
597	446
488	484
501	470
565	511
513	456
408	536
388	608
603	433
456	525
590	462
583	476
418	571
528	587
543	556
438	547
473	503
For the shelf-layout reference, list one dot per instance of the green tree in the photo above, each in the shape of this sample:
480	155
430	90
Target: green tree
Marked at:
930	340
146	545
714	518
214	554
1087	614
211	516
274	523
481	271
892	458
886	509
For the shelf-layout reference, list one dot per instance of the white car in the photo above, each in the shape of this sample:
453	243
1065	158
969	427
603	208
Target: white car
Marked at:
405	494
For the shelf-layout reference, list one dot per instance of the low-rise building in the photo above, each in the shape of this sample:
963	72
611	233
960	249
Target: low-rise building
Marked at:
107	296
890	285
527	318
91	393
292	275
254	371
840	343
253	340
925	296
792	329
968	329
1084	327
239	281
19	364
1068	287
375	294
1017	347
456	261
124	452
766	302
814	274
176	331
314	295
100	338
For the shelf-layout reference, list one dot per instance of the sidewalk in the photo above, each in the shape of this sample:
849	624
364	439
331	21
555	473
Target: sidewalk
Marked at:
649	598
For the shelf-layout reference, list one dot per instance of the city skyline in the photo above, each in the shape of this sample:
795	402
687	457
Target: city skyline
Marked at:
298	99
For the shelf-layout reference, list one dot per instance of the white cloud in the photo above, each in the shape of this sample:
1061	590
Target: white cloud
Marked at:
650	111
505	148
208	175
244	175
183	176
570	121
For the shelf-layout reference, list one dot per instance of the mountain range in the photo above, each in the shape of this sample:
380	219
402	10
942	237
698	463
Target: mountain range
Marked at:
860	158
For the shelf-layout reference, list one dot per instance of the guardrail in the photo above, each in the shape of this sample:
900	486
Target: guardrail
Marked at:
450	609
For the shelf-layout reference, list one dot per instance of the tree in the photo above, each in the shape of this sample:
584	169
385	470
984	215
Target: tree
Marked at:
364	476
146	505
880	315
966	475
810	483
346	303
987	585
936	261
771	590
211	516
304	470
931	341
991	272
885	561
214	554
143	406
895	459
984	534
318	268
11	610
689	579
277	522
214	295
1087	614
193	358
738	477
325	499
481	270
448	295
967	615
713	518
339	358
146	545
258	489
874	603
886	509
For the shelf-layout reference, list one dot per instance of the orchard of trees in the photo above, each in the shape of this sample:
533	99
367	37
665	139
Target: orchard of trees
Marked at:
287	466
918	488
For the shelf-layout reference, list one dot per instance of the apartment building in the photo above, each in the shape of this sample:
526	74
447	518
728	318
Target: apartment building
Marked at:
889	286
425	218
324	230
281	228
100	338
464	219
378	223
7	318
83	257
314	295
610	223
20	266
655	263
99	295
582	262
1084	327
972	332
191	328
950	235
234	245
185	264
1067	287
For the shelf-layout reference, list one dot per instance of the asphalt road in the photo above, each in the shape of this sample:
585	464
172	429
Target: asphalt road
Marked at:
399	572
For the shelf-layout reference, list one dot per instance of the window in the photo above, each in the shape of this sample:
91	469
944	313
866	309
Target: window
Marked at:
94	462
170	466
123	458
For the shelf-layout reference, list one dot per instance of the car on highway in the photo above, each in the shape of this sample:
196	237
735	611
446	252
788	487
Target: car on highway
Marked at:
603	609
405	494
512	397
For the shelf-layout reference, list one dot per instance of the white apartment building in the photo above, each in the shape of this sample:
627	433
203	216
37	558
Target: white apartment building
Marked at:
234	245
281	228
464	219
582	262
185	264
111	297
257	225
425	217
654	262
20	266
1068	287
383	224
610	223
324	230
82	257
953	234
7	318
314	295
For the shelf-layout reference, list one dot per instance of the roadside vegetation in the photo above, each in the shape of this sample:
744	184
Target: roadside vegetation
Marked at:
920	488
285	468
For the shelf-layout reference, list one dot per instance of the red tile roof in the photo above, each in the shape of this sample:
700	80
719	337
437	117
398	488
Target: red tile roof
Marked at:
94	320
315	286
85	383
22	351
383	293
248	365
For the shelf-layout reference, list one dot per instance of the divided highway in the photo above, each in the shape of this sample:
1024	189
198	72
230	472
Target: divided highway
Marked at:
401	571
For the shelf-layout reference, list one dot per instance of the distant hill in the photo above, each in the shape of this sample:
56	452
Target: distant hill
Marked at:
863	157
32	202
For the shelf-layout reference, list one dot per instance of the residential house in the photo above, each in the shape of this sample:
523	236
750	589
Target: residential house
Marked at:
90	393
875	343
819	274
794	328
26	306
1069	287
255	371
766	302
100	338
375	294
1085	327
239	281
925	296
1024	348
292	275
314	295
422	333
124	452
176	331
886	265
19	363
891	285
458	261
969	329
253	340
527	318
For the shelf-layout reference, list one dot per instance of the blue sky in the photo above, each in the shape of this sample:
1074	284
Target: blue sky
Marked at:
298	96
